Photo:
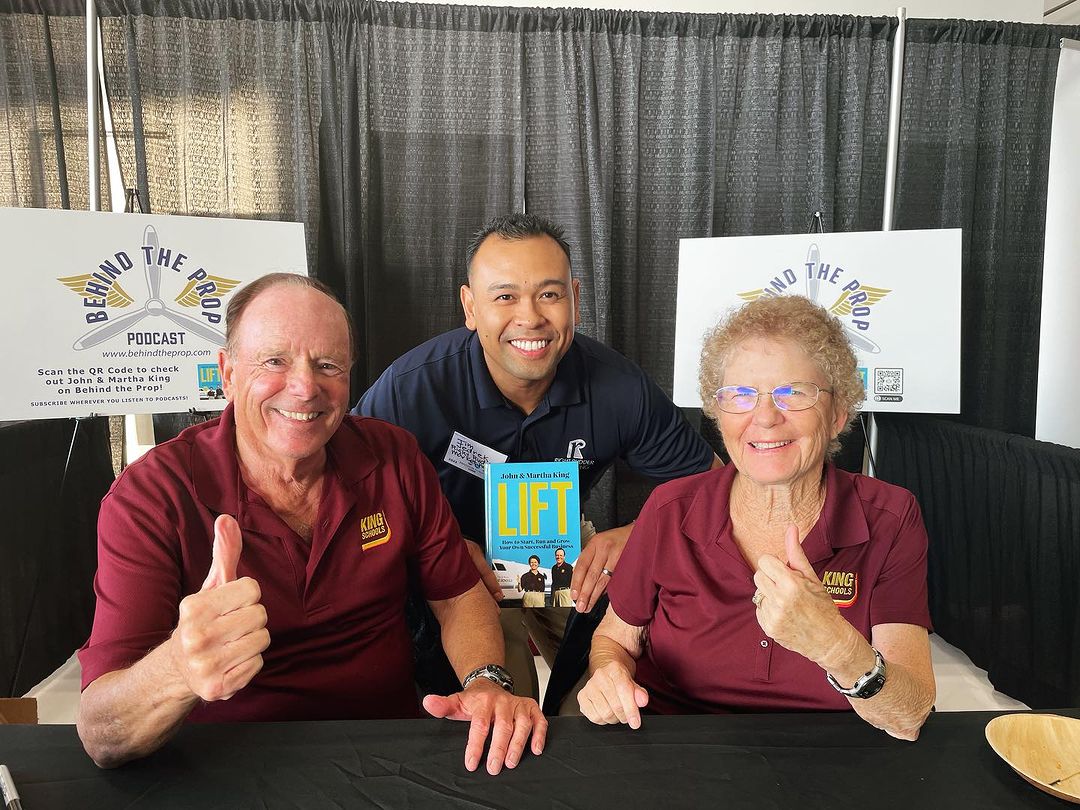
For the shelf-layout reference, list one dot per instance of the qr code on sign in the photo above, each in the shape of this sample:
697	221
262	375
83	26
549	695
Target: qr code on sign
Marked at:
888	381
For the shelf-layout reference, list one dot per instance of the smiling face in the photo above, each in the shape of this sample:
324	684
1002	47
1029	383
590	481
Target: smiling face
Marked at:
287	375
522	303
534	564
767	445
560	557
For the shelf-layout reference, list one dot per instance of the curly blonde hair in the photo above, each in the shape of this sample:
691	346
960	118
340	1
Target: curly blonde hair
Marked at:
804	323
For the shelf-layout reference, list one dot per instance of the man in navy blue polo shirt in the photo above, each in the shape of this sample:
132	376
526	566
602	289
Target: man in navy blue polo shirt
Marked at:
517	384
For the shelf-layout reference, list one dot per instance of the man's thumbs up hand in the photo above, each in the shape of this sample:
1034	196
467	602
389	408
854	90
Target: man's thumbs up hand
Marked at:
219	640
227	546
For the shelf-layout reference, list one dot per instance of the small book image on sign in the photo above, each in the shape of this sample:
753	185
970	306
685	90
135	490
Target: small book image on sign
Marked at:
533	513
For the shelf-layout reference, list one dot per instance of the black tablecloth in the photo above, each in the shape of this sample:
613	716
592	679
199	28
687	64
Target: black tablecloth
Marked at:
757	762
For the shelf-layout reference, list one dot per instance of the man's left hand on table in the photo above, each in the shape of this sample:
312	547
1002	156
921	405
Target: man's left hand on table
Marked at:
491	710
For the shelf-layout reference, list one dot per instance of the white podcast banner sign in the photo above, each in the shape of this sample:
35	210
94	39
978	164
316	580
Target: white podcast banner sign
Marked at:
1059	331
897	295
125	313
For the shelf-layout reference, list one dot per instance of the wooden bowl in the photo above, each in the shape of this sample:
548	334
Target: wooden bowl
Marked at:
1043	748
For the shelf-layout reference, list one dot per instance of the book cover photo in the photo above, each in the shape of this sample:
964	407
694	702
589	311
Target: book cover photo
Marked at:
533	513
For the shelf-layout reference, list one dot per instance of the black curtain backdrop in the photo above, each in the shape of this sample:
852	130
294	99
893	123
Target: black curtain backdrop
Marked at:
642	129
646	128
420	143
43	157
48	549
393	130
974	154
1003	513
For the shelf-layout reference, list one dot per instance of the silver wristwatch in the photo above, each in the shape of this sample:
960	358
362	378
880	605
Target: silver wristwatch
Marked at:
868	685
492	672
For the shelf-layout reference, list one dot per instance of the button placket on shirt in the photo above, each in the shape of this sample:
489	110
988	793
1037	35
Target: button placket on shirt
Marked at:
763	660
309	602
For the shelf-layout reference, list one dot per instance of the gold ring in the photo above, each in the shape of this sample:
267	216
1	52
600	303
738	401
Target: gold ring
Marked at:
758	596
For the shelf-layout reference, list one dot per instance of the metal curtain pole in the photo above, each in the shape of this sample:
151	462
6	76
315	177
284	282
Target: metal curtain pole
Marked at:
896	88
93	167
895	94
97	104
93	204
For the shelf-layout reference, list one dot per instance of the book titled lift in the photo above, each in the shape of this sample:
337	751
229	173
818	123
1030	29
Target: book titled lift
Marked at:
532	510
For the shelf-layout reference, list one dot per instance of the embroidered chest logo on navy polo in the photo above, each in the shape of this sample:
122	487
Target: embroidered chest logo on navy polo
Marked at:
374	531
842	586
575	451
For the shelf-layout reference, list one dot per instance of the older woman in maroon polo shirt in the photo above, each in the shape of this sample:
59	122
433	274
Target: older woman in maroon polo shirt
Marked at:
779	582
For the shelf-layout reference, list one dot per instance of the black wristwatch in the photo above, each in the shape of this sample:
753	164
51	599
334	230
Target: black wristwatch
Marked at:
868	685
492	672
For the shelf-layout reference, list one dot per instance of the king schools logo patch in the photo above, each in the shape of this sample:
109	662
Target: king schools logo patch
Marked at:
374	531
842	586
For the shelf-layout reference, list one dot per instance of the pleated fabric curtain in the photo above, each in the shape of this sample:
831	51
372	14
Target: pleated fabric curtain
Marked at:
391	130
421	142
48	550
645	128
43	155
974	154
1003	513
216	109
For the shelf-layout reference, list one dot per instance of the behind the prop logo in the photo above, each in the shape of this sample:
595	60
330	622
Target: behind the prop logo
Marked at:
102	294
842	586
852	304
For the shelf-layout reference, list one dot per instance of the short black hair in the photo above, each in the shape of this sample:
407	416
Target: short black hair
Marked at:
560	548
514	227
534	557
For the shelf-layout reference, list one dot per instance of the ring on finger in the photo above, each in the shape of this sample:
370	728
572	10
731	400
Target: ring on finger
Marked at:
607	572
756	599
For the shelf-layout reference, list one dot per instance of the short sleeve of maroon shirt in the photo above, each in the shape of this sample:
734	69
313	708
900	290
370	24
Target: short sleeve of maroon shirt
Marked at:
682	576
339	646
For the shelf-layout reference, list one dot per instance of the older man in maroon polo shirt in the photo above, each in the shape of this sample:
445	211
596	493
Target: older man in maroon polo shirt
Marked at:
255	567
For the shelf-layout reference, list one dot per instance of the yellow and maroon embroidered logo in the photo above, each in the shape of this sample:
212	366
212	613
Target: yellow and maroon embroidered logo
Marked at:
843	587
374	531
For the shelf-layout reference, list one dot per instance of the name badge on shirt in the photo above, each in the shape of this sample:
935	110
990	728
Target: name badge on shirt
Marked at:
471	456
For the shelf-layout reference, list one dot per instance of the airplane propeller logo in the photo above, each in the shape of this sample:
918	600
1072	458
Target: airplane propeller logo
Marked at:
841	307
154	307
117	297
